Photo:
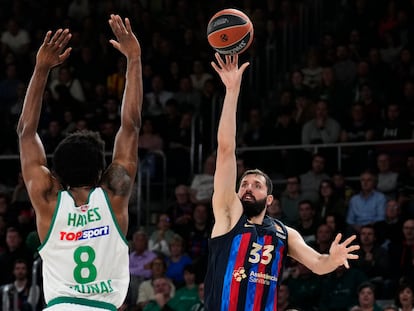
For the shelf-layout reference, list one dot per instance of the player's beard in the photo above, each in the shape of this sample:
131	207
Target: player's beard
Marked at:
252	209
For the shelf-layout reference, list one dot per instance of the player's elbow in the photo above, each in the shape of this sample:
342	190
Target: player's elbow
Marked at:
22	129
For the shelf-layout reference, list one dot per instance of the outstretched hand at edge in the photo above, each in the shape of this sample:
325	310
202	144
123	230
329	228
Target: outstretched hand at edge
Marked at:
339	253
228	70
52	52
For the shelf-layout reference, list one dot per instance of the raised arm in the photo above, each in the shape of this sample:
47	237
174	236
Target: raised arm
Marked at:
226	205
120	175
339	253
36	175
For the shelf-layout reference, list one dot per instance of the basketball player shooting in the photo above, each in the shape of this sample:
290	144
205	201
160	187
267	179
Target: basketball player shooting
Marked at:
81	206
247	248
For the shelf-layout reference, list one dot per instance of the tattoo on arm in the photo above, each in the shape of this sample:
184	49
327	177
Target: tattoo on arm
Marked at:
117	180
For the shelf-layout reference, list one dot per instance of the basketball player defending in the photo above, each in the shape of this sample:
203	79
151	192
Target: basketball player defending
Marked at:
247	248
81	207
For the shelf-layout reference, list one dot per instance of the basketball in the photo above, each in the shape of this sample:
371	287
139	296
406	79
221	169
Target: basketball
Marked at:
230	31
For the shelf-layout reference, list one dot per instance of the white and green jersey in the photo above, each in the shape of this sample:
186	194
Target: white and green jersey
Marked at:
85	255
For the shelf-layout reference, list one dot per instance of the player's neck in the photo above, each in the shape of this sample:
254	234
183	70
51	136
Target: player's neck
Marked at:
257	220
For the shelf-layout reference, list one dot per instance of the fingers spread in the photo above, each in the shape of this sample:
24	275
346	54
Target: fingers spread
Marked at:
349	240
337	238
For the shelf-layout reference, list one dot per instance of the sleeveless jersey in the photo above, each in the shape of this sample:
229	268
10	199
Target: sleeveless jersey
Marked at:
244	267
85	255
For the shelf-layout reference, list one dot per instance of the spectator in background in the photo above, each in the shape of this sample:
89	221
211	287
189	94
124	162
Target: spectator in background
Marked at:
162	295
329	201
16	249
297	85
22	286
393	126
322	129
341	188
391	48
199	76
304	287
181	208
186	296
344	67
340	289
150	145
406	188
325	234
3	227
198	232
9	88
199	306
307	223
366	297
150	139
356	129
402	253
156	100
387	179
404	66
177	260
178	150
188	98
368	206
407	100
334	93
201	188
255	132
68	82
285	132
52	136
373	259
10	215
312	72
310	181
115	82
405	296
369	100
159	241
388	231
15	39
274	210
146	290
284	301
380	74
289	200
140	257
303	110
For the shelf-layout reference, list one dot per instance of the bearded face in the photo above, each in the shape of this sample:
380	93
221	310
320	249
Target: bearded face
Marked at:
251	206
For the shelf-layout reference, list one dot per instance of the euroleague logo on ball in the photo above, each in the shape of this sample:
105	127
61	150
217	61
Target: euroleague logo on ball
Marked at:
224	37
230	32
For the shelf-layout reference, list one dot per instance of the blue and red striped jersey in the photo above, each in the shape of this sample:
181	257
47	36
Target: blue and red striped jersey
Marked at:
244	267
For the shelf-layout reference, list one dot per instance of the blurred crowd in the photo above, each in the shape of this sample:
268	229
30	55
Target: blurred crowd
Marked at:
353	83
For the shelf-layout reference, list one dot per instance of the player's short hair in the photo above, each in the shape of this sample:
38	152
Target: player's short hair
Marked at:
269	183
79	159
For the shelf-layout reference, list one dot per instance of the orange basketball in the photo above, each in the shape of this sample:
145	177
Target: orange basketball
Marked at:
230	31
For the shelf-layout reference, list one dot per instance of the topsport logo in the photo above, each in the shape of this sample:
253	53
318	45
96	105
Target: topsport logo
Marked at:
84	234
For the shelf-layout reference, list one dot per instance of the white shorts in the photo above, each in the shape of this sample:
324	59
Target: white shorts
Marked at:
71	307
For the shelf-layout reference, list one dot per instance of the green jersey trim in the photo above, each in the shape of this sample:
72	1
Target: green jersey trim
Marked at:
52	222
113	217
82	301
